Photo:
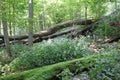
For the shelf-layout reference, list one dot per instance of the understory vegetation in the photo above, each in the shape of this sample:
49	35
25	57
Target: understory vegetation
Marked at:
59	40
103	66
63	49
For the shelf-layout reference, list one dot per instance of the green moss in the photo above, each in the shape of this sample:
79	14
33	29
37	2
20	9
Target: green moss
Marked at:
47	72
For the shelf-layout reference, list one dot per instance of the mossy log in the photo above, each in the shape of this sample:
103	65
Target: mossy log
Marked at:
49	72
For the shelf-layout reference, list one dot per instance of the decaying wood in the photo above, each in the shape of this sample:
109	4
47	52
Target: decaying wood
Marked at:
52	30
44	38
53	35
112	40
93	26
115	23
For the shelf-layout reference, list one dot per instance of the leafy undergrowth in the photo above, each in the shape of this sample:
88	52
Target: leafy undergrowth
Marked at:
95	67
58	50
50	52
44	53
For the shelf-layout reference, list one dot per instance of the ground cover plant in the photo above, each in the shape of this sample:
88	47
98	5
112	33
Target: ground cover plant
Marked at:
100	66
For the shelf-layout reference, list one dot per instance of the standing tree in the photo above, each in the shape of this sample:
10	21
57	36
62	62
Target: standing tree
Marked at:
5	29
30	33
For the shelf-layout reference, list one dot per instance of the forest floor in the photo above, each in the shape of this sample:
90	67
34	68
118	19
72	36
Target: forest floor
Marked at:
85	66
94	61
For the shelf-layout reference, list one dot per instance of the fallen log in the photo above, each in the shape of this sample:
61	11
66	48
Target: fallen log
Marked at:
55	35
52	30
90	28
87	63
112	40
93	26
44	38
115	23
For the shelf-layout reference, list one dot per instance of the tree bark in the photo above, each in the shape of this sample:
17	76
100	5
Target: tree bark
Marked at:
115	23
112	40
56	35
30	33
52	30
0	27
43	38
5	30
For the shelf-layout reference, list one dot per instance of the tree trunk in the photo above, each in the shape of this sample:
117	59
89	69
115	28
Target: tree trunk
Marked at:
0	27
5	30
30	33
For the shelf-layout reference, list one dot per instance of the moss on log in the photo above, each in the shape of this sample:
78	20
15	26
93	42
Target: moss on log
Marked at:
48	72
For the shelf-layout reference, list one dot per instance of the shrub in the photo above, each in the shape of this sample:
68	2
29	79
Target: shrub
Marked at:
17	49
4	70
96	67
104	30
50	52
106	68
15	52
101	68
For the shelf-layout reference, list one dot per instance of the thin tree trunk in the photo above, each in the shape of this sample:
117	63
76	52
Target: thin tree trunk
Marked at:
30	33
86	14
10	29
5	31
0	19
10	22
0	27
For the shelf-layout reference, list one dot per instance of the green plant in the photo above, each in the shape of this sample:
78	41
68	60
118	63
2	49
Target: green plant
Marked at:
15	52
65	74
102	68
104	63
17	49
104	30
50	52
4	70
106	69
